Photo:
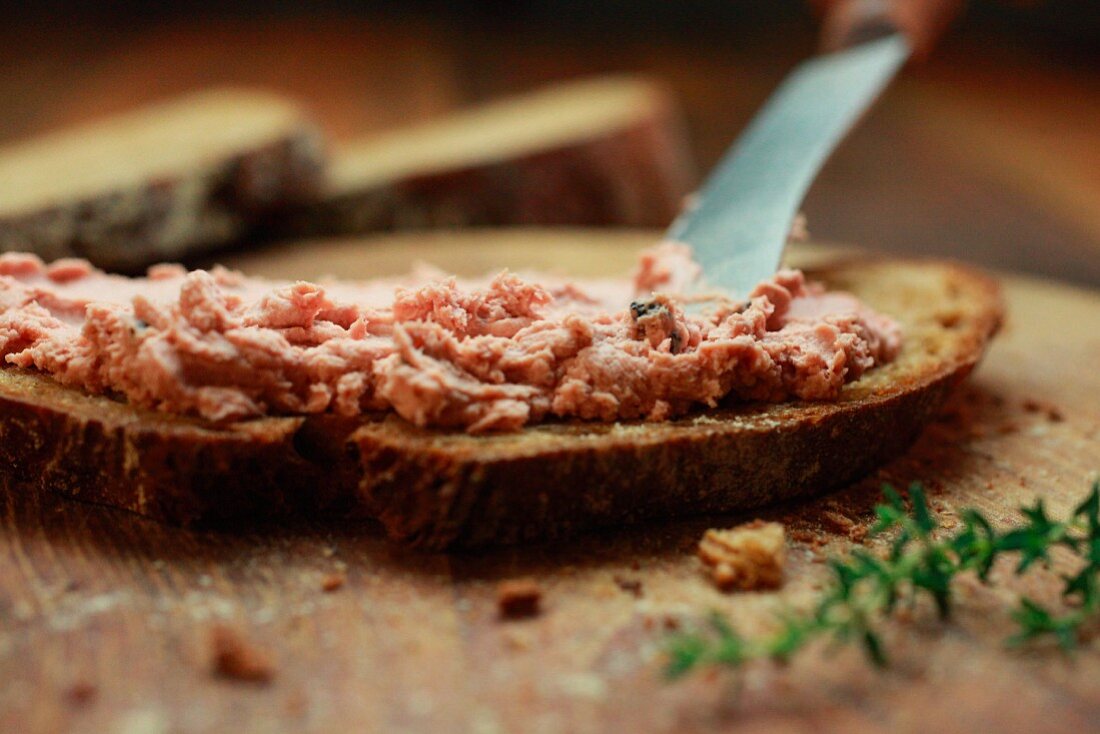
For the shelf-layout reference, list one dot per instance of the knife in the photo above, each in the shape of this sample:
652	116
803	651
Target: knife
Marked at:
739	221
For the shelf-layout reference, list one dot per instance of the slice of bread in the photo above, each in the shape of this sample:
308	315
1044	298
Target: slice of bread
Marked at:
602	151
442	489
158	183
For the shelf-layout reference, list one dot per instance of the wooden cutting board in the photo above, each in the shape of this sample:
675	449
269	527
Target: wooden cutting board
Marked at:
106	619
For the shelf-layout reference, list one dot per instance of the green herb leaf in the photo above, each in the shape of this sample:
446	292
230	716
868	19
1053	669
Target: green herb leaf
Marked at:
873	646
922	515
867	587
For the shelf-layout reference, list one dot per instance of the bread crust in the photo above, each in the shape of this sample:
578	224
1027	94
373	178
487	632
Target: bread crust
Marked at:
440	490
170	217
441	499
636	174
99	450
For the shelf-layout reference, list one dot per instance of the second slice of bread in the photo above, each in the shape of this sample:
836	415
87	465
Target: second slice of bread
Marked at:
600	151
158	183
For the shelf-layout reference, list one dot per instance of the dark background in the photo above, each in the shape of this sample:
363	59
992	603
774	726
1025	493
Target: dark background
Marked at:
990	151
1073	19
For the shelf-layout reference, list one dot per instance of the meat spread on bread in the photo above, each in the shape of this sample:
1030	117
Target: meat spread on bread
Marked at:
484	355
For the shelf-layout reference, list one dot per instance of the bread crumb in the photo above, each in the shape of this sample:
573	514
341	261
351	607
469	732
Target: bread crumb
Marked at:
81	693
332	582
858	533
807	536
836	522
814	537
235	658
1053	413
746	557
630	586
519	598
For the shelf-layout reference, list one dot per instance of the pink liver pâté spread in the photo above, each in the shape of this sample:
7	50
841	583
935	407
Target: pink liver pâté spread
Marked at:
485	355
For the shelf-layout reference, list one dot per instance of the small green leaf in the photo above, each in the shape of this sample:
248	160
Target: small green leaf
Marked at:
974	545
936	581
1083	585
789	640
887	518
873	646
720	625
1089	509
1034	620
1066	634
978	521
922	514
900	544
845	576
685	653
1092	551
1032	543
893	498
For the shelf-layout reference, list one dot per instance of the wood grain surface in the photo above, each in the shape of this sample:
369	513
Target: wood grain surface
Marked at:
108	621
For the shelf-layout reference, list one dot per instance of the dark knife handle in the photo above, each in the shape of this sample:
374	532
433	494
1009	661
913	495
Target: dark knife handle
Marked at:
851	22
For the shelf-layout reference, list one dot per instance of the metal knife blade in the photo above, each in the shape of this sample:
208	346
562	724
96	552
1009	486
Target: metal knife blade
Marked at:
740	219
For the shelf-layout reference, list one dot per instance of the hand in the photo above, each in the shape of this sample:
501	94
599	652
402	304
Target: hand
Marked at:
846	22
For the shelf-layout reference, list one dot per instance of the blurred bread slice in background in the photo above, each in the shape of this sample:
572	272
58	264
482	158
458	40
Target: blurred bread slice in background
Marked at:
598	151
174	180
158	183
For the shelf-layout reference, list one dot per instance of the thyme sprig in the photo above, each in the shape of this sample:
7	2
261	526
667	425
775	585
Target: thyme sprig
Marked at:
866	588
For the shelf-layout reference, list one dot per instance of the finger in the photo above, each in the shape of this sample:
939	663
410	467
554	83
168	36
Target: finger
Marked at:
848	22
